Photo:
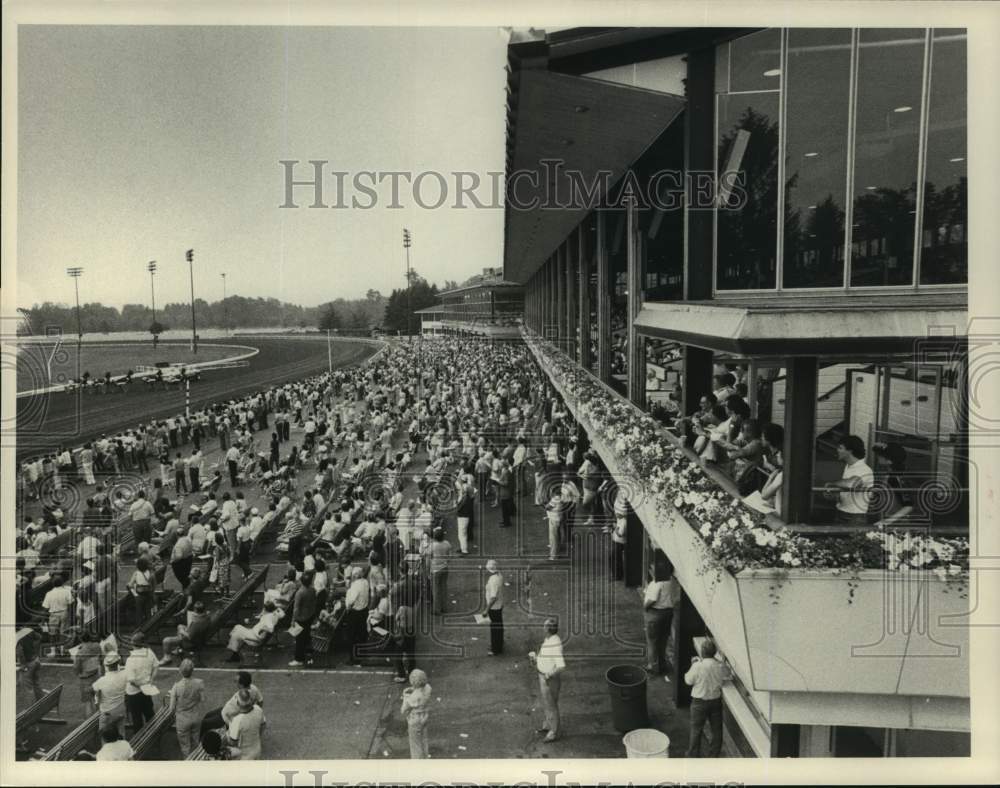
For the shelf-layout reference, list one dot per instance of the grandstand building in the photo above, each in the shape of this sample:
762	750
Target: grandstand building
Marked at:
811	242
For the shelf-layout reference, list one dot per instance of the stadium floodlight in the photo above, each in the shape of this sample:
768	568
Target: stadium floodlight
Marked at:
194	333
76	272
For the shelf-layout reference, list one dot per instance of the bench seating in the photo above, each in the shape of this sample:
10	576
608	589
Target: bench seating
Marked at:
36	712
163	616
233	604
144	741
85	736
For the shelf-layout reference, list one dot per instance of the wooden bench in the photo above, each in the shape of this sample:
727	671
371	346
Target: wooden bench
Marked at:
35	713
167	610
85	736
144	741
232	605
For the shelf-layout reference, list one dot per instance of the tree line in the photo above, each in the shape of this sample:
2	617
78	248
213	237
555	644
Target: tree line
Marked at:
393	314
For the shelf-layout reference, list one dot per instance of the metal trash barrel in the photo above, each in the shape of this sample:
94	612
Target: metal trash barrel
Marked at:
627	686
646	743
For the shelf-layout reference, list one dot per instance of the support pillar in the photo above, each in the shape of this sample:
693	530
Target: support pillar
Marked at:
560	288
687	625
636	344
603	301
584	246
800	438
571	255
697	373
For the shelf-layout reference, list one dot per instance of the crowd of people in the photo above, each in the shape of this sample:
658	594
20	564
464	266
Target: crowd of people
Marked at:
362	524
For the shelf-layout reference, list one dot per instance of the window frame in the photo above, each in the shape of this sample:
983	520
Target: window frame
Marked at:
918	229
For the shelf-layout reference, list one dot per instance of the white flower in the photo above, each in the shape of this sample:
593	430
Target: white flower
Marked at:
785	557
941	572
706	529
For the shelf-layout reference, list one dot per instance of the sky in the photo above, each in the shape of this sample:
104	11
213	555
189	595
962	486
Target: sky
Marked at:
136	143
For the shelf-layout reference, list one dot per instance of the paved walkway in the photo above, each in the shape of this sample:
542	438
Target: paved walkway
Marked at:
484	707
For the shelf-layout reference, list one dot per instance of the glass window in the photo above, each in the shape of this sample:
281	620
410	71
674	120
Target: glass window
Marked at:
889	83
944	250
756	61
747	215
818	88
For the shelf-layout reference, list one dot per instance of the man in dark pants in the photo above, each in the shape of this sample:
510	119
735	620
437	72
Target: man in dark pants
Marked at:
494	607
506	493
405	638
303	613
706	677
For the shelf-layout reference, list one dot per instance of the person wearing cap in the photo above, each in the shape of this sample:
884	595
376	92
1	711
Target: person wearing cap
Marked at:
186	697
244	732
189	636
494	607
415	705
550	665
109	692
140	670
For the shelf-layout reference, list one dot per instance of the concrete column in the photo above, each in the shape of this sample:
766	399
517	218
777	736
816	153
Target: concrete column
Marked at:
585	252
636	345
560	289
697	376
603	300
687	625
800	438
572	307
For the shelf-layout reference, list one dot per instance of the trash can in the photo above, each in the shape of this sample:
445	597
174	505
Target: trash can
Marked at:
627	685
646	743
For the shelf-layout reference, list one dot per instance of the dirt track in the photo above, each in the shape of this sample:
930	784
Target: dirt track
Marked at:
47	421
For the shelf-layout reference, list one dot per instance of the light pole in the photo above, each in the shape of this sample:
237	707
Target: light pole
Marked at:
151	267
225	306
194	332
76	273
407	241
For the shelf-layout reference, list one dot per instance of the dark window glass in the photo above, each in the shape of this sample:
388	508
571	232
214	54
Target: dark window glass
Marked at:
944	254
747	214
661	222
890	69
818	87
756	61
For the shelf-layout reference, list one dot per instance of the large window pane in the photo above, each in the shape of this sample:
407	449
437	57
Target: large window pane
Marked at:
817	86
747	214
890	69
945	251
756	61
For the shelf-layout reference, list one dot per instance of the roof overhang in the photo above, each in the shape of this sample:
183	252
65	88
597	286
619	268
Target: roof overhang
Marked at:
806	326
589	127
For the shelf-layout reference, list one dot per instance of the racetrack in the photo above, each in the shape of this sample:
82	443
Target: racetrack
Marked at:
48	421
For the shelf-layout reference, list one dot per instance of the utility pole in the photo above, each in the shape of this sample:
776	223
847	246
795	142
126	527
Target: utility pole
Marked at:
76	273
407	241
194	332
225	306
151	267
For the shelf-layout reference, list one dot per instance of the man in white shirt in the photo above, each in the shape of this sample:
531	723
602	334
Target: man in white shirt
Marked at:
232	460
550	664
58	601
140	670
706	677
109	690
141	512
230	521
851	490
658	611
115	748
494	607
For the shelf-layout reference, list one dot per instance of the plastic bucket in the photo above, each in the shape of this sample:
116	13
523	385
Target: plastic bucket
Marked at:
646	743
627	687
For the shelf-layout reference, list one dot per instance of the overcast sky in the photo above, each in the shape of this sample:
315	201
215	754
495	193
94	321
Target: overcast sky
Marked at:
137	143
